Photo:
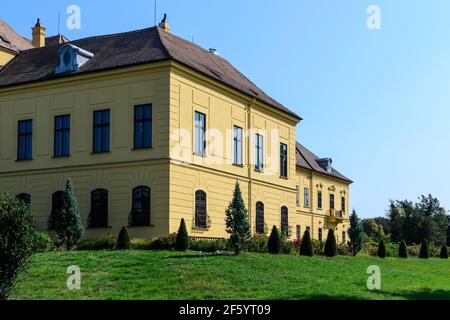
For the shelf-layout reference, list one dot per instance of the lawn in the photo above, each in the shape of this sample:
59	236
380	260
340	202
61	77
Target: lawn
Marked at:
170	275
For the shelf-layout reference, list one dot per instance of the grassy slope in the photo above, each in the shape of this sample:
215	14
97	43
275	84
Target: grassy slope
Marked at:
169	275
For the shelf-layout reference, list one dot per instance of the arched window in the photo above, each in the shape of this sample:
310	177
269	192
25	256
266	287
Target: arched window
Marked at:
200	209
24	197
284	220
57	205
98	217
140	211
260	218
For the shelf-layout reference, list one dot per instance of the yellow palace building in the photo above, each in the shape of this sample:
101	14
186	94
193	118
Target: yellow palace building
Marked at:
152	128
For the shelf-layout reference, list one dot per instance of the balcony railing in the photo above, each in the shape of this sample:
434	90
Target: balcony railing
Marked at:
335	216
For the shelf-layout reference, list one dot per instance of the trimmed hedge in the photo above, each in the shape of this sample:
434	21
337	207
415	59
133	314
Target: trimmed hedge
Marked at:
402	252
274	244
123	240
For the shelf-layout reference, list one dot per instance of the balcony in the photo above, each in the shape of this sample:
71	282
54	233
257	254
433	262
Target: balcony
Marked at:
335	216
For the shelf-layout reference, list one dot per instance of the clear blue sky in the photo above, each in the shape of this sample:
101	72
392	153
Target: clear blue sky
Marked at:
377	102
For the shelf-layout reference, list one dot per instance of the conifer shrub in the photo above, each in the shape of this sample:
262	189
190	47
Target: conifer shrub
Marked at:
402	251
306	248
123	240
274	244
424	250
182	241
330	245
444	252
381	250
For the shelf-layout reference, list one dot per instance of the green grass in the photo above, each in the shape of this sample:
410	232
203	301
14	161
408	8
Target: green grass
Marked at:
170	275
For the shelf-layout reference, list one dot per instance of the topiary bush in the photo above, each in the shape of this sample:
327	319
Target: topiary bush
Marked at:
182	240
402	252
18	239
105	242
43	242
274	244
123	240
444	252
164	243
381	250
424	250
330	245
258	244
306	248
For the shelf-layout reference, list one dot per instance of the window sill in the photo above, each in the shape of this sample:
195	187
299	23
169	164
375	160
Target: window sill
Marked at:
199	155
100	153
24	160
198	229
61	157
259	171
98	228
149	226
238	165
142	149
284	178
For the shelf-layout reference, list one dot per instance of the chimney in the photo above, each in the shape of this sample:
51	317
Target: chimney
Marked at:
164	25
38	35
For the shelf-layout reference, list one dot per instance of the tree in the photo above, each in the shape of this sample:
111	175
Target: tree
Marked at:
381	250
68	225
330	245
396	221
424	250
444	252
385	223
18	240
123	240
182	241
274	244
237	224
373	229
356	233
402	252
306	248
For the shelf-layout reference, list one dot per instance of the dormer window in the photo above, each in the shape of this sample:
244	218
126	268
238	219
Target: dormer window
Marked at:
72	58
325	164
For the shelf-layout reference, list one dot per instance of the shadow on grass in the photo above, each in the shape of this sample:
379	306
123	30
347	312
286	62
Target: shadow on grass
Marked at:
423	294
197	255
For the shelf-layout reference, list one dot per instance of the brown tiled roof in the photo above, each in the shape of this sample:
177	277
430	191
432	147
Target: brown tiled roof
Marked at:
11	40
58	39
308	160
133	48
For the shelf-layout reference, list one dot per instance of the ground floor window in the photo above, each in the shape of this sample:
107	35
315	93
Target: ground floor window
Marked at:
140	210
320	234
98	217
284	221
260	218
57	205
200	210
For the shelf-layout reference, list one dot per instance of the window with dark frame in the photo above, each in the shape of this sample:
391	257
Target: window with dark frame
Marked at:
306	197
320	234
57	205
98	217
260	218
283	160
140	211
25	140
319	199
200	209
344	237
62	136
101	131
237	142
200	134
331	201
297	196
259	153
143	126
299	232
343	204
284	221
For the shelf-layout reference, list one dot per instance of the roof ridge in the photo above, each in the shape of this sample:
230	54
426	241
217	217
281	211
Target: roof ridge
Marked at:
113	34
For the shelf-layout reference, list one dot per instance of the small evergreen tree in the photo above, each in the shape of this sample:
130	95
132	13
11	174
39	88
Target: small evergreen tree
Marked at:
448	236
356	233
182	241
274	244
123	240
402	252
381	250
330	245
68	225
444	252
306	247
237	224
424	250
